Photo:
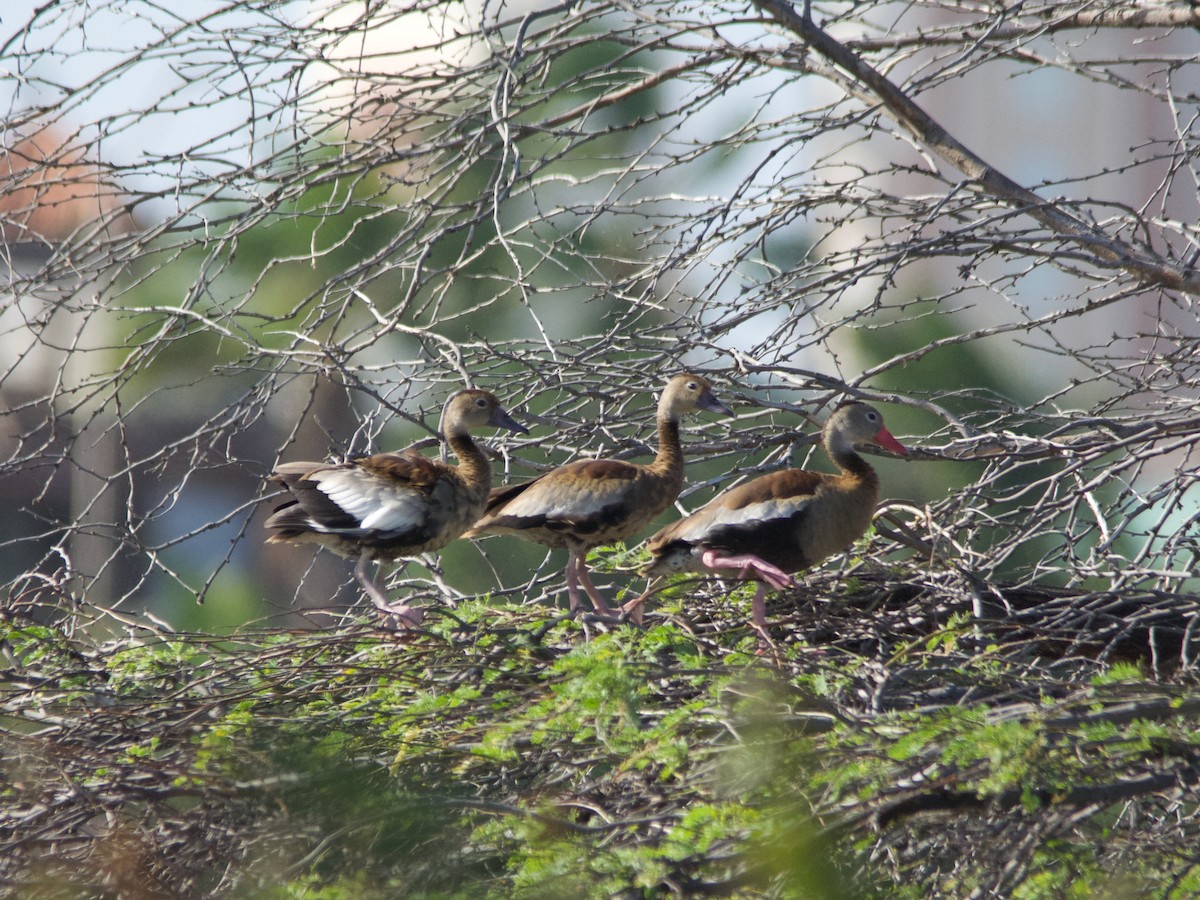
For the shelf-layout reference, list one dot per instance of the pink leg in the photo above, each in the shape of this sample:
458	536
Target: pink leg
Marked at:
405	616
758	607
573	583
634	609
750	566
581	570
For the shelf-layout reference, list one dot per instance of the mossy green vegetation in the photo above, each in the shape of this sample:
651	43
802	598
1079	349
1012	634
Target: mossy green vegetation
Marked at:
511	751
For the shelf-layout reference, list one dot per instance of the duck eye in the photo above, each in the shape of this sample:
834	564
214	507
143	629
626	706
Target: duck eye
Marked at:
692	386
480	402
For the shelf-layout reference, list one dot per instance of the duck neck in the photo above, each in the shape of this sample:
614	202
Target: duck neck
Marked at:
669	459
473	463
846	458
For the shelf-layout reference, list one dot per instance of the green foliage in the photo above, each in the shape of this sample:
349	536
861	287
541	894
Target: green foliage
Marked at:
37	646
1010	753
506	752
1119	673
152	668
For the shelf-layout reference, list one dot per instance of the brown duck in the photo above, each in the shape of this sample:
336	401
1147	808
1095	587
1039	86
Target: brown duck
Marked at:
784	522
589	503
392	505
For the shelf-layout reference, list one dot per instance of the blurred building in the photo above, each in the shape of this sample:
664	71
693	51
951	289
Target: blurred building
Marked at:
58	216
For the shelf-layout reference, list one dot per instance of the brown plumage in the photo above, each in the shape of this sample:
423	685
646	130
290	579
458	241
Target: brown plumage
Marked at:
779	523
589	503
392	505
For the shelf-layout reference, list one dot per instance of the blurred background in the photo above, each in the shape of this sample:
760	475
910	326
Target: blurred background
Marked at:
240	233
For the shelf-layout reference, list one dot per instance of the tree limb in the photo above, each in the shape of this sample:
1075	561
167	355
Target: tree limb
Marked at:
945	799
1146	266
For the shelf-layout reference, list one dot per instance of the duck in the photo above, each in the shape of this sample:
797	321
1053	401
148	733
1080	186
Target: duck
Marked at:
391	506
592	502
778	524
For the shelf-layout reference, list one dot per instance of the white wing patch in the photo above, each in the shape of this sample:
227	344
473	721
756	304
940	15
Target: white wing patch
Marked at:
377	505
716	516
